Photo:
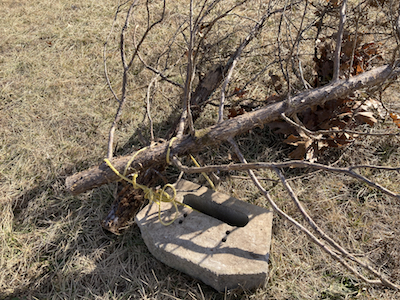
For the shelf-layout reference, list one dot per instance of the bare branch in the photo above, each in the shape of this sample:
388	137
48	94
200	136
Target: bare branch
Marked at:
164	77
336	65
190	71
122	35
220	132
325	237
296	164
106	73
211	24
310	235
233	61
354	44
286	164
305	83
398	24
105	52
319	133
149	28
126	68
313	238
148	107
113	127
224	86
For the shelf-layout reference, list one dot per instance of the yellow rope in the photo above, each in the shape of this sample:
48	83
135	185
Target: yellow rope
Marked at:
204	174
160	195
131	160
153	196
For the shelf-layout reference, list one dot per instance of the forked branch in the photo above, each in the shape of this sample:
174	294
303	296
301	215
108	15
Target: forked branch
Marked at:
126	68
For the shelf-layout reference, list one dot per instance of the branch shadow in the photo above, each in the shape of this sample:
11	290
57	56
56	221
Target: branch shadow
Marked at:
63	251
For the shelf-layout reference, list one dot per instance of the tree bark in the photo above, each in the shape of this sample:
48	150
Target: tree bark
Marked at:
214	135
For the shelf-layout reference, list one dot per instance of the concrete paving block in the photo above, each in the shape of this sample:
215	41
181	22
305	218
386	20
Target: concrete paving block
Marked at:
222	241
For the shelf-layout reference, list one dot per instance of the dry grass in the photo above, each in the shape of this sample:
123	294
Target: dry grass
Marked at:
56	110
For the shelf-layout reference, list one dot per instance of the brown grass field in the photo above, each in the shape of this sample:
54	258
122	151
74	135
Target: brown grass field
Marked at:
56	111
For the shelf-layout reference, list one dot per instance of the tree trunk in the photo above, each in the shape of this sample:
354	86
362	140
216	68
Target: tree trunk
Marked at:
223	131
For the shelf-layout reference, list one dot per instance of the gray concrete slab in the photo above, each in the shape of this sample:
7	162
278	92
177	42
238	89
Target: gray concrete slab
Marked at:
223	241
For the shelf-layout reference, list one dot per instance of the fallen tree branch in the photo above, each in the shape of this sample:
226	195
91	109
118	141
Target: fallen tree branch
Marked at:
223	131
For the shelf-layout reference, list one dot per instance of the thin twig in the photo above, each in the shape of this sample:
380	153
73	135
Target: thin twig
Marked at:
295	164
318	133
300	127
398	24
355	42
164	77
149	28
211	24
186	116
313	238
248	178
305	83
267	67
325	237
297	43
336	64
223	88
126	67
234	59
190	71
148	107
278	39
124	83
105	52
122	36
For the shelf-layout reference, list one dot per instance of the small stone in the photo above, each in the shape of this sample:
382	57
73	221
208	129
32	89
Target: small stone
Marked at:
220	240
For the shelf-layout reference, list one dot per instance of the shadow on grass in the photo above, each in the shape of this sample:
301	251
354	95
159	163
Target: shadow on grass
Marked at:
63	252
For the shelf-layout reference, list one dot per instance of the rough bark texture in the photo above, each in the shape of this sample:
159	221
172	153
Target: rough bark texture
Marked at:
223	131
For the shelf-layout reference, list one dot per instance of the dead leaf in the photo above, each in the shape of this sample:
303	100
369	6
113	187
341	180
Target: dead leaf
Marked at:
395	118
299	152
235	111
359	69
366	117
292	140
311	154
274	78
322	144
280	127
278	87
239	92
376	106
